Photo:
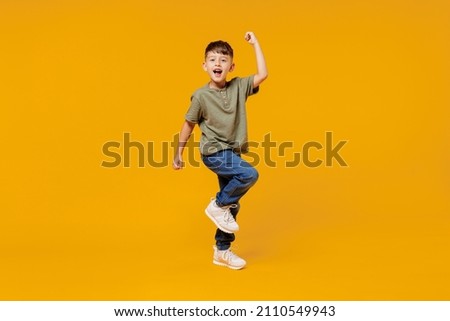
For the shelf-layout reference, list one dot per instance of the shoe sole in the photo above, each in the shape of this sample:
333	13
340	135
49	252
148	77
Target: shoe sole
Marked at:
228	266
217	224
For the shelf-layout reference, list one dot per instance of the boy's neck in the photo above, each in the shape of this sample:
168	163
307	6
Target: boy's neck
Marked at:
219	86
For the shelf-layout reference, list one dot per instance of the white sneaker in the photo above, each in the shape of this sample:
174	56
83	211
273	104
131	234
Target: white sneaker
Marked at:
228	258
221	216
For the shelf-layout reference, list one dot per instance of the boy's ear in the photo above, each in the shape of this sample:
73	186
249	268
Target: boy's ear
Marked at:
204	66
232	67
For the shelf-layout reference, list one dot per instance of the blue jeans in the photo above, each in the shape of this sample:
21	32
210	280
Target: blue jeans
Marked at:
236	176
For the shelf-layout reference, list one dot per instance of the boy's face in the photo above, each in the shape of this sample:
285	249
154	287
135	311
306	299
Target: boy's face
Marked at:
217	66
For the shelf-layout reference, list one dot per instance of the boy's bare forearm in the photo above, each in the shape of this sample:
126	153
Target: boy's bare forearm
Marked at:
260	62
261	71
185	133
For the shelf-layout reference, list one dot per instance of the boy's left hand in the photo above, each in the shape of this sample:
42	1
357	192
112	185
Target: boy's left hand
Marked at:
250	38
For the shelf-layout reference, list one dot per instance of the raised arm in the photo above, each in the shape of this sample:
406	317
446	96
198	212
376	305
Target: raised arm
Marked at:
185	133
261	73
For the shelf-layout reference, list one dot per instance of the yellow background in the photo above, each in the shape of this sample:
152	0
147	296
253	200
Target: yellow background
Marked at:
76	74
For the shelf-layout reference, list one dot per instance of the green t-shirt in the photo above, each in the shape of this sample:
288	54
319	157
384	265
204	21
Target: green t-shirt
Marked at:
221	115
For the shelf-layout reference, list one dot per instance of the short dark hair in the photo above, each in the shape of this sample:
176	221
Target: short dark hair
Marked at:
221	47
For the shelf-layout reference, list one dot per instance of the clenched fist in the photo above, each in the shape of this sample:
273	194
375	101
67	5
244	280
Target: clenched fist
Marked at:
250	38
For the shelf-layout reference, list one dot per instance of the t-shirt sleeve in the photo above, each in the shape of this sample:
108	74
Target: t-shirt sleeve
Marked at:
194	113
247	85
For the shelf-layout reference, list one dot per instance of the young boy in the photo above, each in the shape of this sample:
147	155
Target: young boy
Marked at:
219	109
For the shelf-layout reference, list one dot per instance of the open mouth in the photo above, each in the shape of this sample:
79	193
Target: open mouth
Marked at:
217	72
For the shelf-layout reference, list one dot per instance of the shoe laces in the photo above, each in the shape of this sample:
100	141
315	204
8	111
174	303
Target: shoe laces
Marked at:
228	217
229	255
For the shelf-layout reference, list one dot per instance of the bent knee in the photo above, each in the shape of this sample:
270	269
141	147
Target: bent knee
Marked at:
250	176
